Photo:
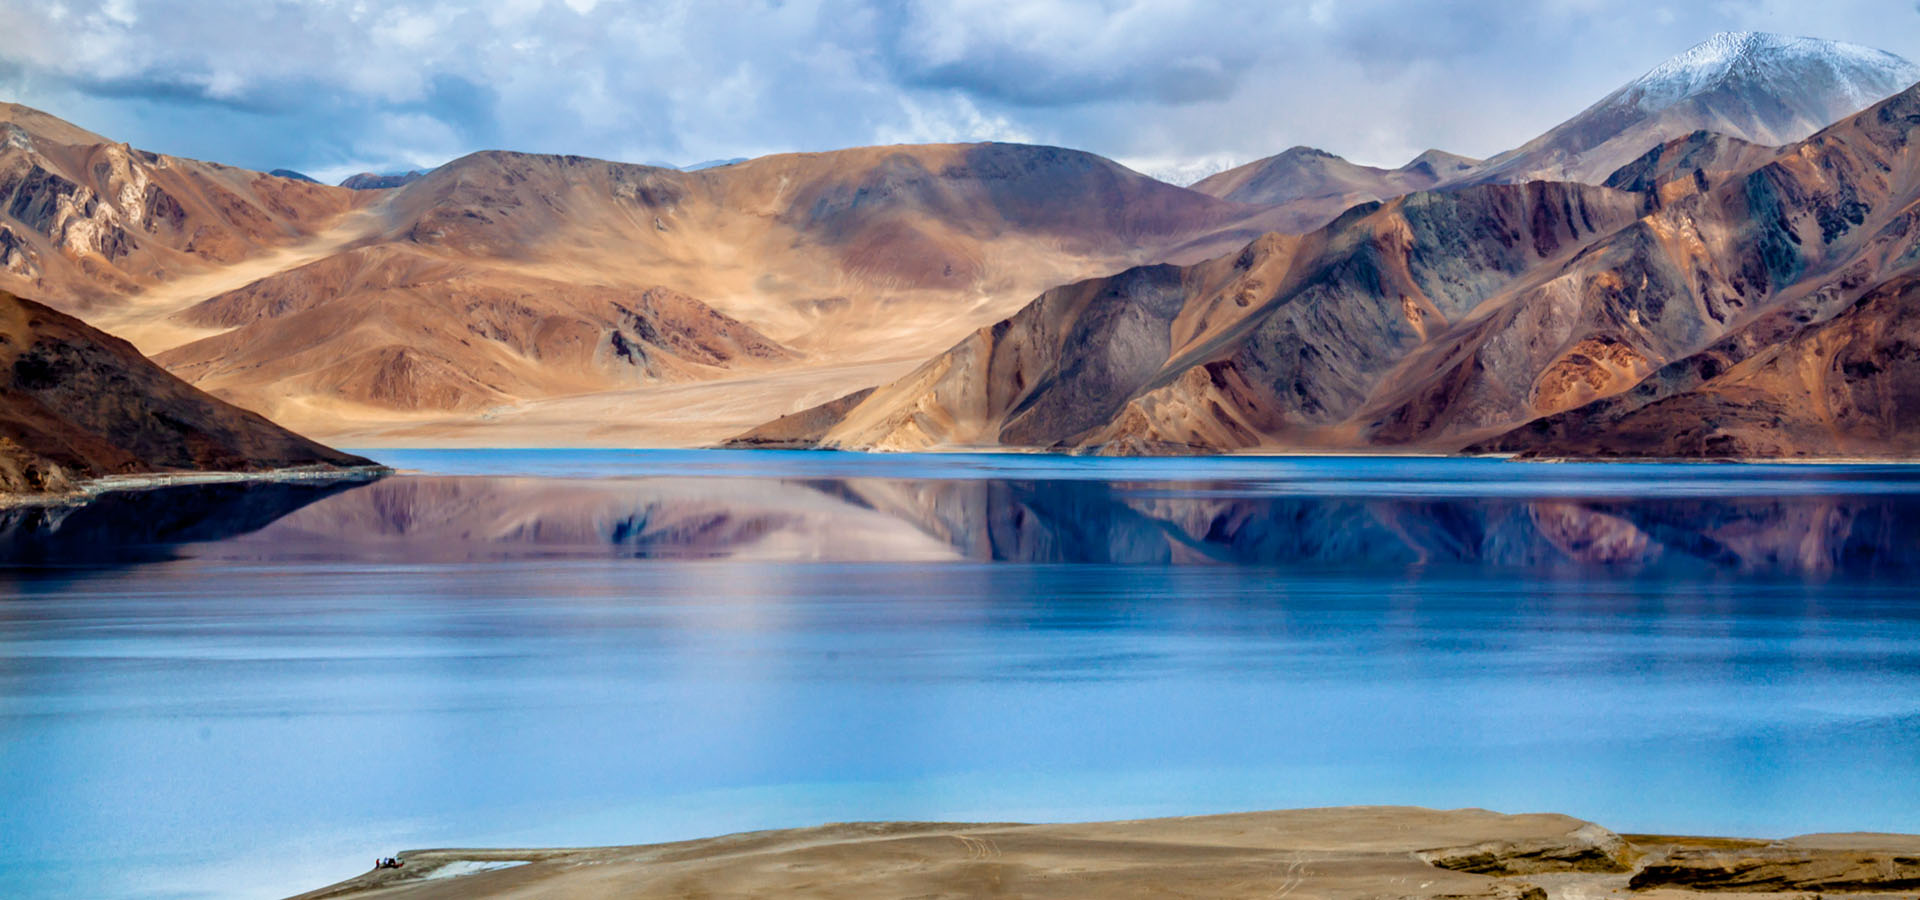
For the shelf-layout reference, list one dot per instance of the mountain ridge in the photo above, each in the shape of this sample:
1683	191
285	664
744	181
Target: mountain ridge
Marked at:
1441	321
1760	88
510	296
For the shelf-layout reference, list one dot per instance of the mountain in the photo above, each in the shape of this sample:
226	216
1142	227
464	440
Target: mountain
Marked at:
291	174
1700	157
1832	225
713	164
368	181
1279	340
1758	89
899	218
394	327
501	283
1757	312
1314	186
80	404
503	290
87	223
1761	88
524	298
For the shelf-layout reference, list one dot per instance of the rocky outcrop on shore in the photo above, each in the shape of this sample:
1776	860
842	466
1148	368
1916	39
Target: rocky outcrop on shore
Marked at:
1837	864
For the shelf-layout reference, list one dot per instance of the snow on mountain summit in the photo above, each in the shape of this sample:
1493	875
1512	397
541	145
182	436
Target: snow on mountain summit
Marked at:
1765	89
1747	60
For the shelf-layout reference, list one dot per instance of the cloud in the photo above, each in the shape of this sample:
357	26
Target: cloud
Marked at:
1076	51
1177	86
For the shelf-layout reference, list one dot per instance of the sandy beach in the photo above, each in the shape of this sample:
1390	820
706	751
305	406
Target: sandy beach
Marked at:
1323	854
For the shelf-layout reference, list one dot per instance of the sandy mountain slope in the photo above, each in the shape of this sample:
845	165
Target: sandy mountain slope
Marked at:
79	404
822	250
503	289
1441	320
398	328
86	222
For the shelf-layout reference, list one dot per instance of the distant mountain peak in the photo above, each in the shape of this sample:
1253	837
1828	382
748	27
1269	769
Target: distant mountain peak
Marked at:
1440	163
371	181
1736	57
1767	89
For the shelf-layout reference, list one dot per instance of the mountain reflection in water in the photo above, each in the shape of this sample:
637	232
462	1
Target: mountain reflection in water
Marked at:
150	524
1051	520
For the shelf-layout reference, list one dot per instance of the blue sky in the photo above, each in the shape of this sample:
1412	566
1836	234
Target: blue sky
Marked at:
1172	87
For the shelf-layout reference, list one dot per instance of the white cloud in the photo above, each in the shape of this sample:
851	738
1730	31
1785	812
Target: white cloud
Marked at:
1173	85
945	120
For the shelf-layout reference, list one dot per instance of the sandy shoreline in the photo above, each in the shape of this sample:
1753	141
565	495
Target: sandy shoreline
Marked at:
1351	853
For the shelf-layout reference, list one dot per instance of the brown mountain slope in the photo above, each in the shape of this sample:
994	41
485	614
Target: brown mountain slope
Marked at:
1831	229
492	288
1284	338
1827	369
1845	386
85	222
80	404
395	328
1313	186
1441	320
1701	158
815	247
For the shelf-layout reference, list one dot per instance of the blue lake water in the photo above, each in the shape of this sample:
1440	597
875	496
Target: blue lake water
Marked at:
252	691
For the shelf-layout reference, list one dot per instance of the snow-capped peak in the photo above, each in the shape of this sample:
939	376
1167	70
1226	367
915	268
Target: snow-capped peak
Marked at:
1865	74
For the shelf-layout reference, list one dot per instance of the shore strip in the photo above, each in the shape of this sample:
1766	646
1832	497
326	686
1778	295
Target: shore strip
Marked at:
94	487
1351	853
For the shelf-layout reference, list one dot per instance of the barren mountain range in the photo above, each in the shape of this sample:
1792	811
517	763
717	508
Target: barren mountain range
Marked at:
1737	302
1763	89
1298	302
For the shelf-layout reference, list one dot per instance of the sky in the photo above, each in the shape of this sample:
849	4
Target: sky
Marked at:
1174	88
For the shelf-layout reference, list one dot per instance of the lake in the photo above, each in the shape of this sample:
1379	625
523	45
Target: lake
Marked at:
253	690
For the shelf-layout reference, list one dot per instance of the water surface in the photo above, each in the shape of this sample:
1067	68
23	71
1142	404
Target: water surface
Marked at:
592	647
